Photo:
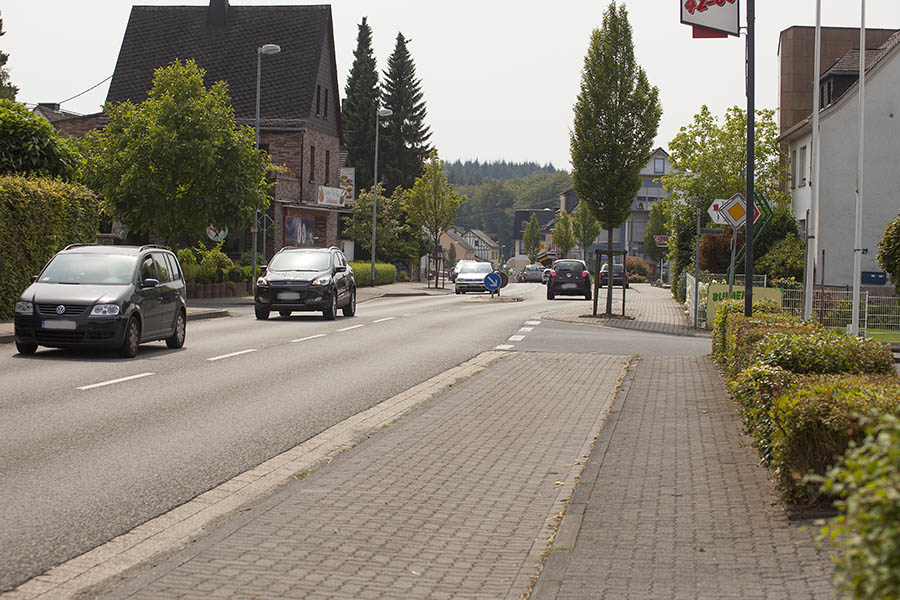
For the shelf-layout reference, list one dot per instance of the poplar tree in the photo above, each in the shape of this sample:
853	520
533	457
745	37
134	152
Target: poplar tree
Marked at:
531	238
616	118
586	229
7	90
361	96
405	136
563	236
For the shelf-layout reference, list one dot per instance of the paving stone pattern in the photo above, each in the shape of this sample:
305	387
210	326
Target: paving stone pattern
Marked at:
677	507
647	308
451	502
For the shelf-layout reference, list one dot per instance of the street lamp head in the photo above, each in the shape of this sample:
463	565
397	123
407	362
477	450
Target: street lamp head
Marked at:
269	49
385	112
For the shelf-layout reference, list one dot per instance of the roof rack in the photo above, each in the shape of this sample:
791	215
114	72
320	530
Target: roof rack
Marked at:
145	246
70	246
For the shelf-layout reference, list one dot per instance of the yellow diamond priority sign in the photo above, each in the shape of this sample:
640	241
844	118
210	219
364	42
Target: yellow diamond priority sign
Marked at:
735	211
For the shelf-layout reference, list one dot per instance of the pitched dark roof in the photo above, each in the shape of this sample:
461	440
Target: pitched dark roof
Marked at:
157	35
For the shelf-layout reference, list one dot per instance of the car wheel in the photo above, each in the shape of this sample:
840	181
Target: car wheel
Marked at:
26	348
350	309
330	312
284	313
261	313
176	340
457	292
587	295
130	343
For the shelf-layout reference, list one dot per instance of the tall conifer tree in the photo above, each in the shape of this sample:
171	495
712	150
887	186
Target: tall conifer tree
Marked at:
405	139
7	90
361	95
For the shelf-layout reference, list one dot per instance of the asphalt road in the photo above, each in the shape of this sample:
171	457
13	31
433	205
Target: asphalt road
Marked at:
92	445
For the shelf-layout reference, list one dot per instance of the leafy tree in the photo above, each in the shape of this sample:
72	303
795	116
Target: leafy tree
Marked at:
7	90
782	225
585	228
389	223
656	225
358	109
784	259
451	256
563	235
431	204
532	238
616	118
405	137
30	145
176	163
889	250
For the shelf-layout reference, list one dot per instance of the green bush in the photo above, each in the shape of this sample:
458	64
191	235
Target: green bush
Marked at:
39	217
636	278
186	256
384	273
191	271
815	421
246	259
867	532
237	273
635	265
823	352
29	145
734	307
756	389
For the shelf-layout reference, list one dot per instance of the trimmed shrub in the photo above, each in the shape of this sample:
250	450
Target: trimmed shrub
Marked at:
39	217
734	307
636	278
384	273
867	532
823	352
816	420
635	265
756	389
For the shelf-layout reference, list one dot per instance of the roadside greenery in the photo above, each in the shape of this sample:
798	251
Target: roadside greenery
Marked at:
29	145
616	118
361	100
889	250
531	238
7	90
362	273
586	229
563	236
656	225
39	217
391	230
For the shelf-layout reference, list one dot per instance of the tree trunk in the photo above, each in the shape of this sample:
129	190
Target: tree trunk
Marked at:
609	273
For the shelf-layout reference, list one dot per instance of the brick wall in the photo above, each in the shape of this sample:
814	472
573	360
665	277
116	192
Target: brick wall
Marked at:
77	126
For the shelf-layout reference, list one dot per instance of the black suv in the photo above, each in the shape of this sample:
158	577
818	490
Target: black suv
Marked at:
306	279
115	296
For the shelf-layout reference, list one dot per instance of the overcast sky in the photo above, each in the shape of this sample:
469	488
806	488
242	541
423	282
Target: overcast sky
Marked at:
500	78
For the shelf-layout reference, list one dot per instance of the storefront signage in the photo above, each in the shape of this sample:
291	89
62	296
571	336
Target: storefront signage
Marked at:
718	293
330	196
348	184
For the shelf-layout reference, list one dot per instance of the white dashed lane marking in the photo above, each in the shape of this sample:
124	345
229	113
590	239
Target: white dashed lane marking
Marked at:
526	329
311	337
112	381
504	347
351	327
532	322
516	338
214	358
384	319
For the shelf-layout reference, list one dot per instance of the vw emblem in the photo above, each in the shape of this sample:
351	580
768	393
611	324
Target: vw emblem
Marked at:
60	309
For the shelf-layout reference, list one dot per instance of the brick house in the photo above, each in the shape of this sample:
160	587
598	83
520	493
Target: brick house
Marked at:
300	116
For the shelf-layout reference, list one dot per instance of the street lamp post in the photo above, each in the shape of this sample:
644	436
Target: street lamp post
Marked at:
381	112
264	49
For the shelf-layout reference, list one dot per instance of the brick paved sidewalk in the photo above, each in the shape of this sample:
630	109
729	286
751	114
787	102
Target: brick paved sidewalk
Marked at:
647	308
672	504
457	500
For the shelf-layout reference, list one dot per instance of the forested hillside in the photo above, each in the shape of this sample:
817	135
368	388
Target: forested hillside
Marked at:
491	204
475	172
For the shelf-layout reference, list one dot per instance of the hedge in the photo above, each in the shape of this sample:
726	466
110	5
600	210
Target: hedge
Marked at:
384	273
756	389
744	333
823	352
735	307
815	421
39	217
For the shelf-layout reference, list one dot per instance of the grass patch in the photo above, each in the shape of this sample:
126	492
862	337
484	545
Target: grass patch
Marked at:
886	336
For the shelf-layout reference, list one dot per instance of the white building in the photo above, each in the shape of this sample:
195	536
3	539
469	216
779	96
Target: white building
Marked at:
838	127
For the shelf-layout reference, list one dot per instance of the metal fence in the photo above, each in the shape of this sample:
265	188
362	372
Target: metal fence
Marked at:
758	280
883	313
831	308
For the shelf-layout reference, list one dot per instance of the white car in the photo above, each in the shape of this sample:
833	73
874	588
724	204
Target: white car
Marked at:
471	277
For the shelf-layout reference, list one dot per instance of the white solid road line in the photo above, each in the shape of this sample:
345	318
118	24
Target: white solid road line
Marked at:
112	381
384	319
311	337
351	327
504	347
232	354
516	338
532	322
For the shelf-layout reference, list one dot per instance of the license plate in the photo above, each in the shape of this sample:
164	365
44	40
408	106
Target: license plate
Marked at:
58	324
288	296
569	286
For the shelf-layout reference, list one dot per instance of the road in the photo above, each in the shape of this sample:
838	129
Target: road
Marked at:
92	445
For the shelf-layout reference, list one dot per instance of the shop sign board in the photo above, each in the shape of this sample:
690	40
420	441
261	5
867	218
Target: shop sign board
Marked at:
718	293
330	196
348	184
717	15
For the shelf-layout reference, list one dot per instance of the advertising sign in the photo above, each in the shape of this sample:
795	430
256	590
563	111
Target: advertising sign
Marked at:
330	196
661	240
348	184
718	293
718	15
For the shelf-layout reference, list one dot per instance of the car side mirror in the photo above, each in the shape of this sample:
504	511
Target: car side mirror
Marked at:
34	278
340	269
261	268
149	283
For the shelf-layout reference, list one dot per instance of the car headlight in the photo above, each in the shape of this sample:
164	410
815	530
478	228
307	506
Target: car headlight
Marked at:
322	281
261	282
105	310
24	308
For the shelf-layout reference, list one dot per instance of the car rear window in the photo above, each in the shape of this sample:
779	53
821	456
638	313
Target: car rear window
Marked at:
569	265
90	269
301	261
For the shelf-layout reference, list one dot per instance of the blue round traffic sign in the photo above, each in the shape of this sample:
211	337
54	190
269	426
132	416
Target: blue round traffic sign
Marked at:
492	281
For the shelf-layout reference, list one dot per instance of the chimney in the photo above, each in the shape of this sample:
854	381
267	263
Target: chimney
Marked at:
217	15
54	106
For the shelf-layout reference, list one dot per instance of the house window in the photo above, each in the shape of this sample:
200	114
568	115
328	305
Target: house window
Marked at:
327	163
325	110
793	169
659	165
312	163
802	166
318	98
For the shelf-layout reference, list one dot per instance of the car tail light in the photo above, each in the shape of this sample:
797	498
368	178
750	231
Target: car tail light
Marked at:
585	274
552	272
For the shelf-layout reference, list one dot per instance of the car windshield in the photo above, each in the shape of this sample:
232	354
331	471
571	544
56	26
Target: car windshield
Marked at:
534	268
569	265
90	269
616	268
300	261
477	268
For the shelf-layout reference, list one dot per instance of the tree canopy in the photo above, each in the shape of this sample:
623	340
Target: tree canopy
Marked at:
616	118
358	109
585	228
405	136
531	238
391	229
563	235
7	90
176	163
656	225
30	145
889	250
475	172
